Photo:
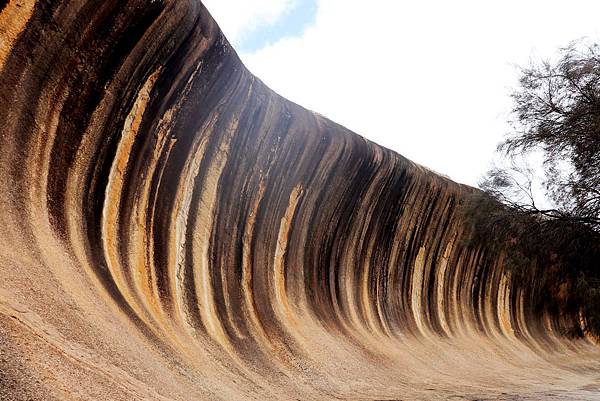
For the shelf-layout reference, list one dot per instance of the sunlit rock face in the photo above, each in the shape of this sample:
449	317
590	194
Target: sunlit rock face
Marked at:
171	229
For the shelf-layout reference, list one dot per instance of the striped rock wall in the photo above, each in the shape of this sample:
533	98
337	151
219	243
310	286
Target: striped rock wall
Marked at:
172	229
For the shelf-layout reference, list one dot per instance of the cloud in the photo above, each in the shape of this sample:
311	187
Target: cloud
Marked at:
429	79
238	18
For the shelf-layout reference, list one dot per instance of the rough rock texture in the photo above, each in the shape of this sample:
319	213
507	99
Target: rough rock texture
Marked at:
171	229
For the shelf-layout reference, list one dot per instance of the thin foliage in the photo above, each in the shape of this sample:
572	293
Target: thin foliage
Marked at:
557	110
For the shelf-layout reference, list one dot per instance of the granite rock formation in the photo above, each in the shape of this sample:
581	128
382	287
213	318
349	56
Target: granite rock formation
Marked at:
171	229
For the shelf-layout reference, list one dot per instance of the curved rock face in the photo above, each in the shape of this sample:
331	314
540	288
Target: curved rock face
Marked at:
171	229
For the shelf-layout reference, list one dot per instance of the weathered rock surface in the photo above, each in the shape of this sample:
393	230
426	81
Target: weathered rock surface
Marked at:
171	229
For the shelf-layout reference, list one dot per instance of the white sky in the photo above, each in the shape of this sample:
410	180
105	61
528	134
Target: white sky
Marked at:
429	79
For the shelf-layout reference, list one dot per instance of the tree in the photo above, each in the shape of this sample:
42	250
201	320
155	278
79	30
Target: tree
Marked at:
557	111
557	114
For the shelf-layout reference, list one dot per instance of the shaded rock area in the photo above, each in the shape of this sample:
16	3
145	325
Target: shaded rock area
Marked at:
172	229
